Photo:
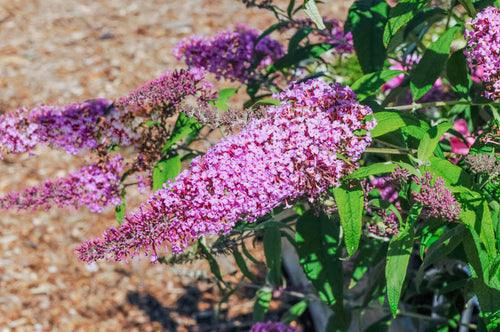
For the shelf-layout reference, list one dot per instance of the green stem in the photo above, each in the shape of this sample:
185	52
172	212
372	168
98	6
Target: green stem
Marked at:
452	4
389	151
406	152
469	7
416	106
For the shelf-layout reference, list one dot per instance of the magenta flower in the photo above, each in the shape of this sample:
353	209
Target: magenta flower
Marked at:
170	89
95	186
388	226
74	128
291	153
387	191
457	145
272	327
438	200
483	46
388	188
229	54
436	93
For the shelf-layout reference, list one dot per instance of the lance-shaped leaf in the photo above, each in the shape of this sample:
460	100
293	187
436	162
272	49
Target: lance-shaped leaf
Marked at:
317	241
401	14
312	11
431	139
457	71
371	83
366	21
398	256
261	304
165	170
272	251
391	121
427	71
350	203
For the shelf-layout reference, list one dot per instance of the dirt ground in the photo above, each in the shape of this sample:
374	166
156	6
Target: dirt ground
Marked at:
59	52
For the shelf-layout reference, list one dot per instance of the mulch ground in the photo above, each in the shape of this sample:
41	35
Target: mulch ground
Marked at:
59	52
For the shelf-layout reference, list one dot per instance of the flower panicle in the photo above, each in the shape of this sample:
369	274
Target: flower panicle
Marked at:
271	327
438	201
483	48
95	186
170	89
229	54
291	153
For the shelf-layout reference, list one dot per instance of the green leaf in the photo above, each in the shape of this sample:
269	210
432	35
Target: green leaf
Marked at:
261	304
373	169
350	205
290	60
289	9
391	121
224	95
429	15
427	71
268	101
299	35
366	21
369	84
457	71
272	251
248	255
242	265
152	123
294	312
183	127
214	266
166	169
431	139
120	212
317	241
488	293
477	215
312	11
399	15
469	7
442	247
371	252
398	256
453	175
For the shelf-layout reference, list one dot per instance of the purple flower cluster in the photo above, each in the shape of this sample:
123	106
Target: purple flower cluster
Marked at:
333	34
74	128
438	200
387	191
389	225
483	48
170	89
95	186
229	54
291	153
388	188
272	327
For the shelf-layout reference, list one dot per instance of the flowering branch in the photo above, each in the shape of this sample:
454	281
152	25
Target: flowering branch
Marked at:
416	106
287	155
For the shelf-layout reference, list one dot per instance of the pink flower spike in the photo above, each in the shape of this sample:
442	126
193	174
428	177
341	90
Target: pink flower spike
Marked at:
229	54
95	186
290	154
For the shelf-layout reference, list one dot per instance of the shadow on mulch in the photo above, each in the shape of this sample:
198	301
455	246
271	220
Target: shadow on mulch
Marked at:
187	306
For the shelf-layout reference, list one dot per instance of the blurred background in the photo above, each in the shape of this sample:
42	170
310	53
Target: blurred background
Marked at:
62	52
